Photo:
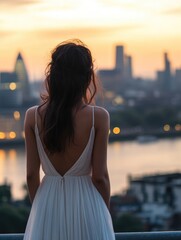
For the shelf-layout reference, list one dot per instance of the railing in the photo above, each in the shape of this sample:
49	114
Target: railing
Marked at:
119	236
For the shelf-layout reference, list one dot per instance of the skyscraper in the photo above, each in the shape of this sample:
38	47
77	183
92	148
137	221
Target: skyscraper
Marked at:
22	75
10	92
120	59
128	73
178	78
121	76
167	73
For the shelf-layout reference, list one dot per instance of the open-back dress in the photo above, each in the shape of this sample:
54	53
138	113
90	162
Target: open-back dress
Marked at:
68	207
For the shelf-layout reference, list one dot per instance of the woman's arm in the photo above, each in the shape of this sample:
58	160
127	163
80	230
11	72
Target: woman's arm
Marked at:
32	157
100	176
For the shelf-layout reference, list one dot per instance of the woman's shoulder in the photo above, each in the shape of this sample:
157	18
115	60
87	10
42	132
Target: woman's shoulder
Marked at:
101	116
31	111
30	115
101	112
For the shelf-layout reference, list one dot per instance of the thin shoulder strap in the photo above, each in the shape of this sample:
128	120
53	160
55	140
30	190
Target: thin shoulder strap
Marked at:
93	116
36	109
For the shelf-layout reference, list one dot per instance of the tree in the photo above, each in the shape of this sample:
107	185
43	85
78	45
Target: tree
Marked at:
5	193
13	219
128	223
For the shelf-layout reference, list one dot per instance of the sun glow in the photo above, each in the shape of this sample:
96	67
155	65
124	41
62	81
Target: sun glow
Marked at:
144	27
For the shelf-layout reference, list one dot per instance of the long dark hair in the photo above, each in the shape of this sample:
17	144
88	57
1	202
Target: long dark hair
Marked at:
70	79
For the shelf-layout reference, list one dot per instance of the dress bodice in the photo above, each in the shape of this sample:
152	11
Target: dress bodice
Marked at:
82	166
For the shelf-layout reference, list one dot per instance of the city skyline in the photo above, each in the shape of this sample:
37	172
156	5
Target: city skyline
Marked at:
116	63
146	28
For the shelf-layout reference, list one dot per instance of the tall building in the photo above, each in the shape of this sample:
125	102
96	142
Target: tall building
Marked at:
178	78
128	72
10	92
120	59
118	78
164	77
15	98
15	88
167	84
22	75
160	78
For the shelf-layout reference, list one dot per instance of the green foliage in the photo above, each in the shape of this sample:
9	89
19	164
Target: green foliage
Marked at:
145	117
26	198
159	117
154	118
127	118
128	223
13	219
5	193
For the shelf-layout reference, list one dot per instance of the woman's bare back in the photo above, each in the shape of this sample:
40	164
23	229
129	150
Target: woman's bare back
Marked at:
83	122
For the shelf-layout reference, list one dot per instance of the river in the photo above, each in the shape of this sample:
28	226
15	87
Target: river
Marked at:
124	158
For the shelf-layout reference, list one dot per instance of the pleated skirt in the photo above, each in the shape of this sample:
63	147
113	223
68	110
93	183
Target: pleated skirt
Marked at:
68	208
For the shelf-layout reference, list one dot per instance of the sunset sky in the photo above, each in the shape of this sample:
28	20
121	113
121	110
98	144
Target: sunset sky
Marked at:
147	28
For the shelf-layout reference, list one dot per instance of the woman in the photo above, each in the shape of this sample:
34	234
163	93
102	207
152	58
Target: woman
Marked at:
68	137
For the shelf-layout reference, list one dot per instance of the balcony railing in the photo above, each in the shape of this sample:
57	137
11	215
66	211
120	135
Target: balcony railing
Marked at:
176	235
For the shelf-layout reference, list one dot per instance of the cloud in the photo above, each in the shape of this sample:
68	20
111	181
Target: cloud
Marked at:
49	34
118	3
6	33
17	2
173	11
84	31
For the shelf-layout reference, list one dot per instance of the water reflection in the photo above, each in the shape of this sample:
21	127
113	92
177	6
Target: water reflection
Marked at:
12	169
124	158
138	159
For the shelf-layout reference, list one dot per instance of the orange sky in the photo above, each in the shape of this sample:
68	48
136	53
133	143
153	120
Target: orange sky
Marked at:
146	28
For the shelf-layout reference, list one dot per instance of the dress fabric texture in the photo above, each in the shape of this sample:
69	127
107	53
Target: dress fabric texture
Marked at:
68	207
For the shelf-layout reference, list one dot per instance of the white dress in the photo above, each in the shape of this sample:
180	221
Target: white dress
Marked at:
68	207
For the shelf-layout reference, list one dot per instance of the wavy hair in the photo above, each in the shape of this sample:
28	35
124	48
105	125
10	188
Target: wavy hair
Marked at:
70	79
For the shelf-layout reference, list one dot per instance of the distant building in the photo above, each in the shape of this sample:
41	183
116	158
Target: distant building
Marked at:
15	97
160	76
15	89
160	79
167	73
128	70
161	189
117	78
22	76
164	77
110	79
159	195
178	78
120	59
10	90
